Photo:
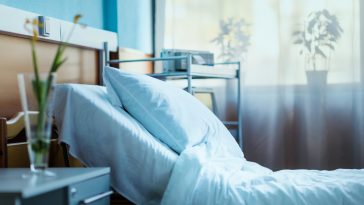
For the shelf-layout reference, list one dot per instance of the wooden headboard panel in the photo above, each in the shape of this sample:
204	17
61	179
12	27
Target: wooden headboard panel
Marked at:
140	67
15	57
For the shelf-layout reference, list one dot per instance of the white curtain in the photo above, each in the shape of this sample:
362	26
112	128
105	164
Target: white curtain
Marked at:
288	122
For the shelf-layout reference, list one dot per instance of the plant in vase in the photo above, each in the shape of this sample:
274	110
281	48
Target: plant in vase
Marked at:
318	38
40	86
233	39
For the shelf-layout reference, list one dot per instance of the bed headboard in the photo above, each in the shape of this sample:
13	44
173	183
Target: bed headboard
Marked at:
84	55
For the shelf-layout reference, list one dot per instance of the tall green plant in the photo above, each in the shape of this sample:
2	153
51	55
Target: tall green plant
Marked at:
41	88
319	35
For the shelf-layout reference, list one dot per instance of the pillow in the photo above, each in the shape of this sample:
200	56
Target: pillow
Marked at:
113	96
171	114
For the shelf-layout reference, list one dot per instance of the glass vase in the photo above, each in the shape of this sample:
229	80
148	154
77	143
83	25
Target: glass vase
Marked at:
36	95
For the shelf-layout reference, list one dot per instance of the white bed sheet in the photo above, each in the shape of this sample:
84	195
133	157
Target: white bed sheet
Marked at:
218	177
93	128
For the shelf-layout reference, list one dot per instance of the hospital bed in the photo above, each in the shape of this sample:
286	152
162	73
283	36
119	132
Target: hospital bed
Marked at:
146	171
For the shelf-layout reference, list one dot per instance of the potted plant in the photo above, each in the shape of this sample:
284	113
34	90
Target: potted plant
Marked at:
233	39
318	38
37	87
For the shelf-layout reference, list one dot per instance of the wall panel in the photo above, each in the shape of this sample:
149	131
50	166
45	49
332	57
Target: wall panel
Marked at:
15	57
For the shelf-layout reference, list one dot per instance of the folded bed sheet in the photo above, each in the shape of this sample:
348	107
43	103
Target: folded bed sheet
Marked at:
218	177
100	134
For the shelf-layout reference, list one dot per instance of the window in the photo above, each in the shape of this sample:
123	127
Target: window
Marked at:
271	58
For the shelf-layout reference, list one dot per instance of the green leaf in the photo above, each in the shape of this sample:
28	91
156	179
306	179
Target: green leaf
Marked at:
298	41
295	33
320	52
330	46
308	45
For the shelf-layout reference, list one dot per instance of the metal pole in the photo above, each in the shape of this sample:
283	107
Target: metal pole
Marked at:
189	76
106	59
240	119
107	53
102	63
148	59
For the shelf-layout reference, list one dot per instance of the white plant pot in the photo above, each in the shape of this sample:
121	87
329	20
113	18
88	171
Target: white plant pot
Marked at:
316	78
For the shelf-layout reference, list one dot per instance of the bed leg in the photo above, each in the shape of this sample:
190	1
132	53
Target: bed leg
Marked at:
65	154
3	143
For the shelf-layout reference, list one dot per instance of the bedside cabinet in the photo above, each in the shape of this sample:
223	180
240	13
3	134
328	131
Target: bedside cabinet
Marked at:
71	186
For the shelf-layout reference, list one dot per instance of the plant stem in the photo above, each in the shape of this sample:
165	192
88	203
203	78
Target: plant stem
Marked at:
42	106
314	62
36	71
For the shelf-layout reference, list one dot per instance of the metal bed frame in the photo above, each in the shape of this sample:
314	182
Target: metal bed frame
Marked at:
189	74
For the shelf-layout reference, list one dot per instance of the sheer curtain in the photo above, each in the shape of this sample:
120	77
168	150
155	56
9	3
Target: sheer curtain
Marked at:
290	121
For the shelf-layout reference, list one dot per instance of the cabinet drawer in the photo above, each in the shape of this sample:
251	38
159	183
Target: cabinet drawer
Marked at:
92	191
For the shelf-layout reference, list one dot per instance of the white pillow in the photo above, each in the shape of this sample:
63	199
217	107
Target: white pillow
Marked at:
169	113
114	99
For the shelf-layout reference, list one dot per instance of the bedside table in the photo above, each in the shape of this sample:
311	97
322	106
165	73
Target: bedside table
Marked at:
69	186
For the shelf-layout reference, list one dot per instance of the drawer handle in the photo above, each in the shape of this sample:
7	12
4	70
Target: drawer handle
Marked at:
96	197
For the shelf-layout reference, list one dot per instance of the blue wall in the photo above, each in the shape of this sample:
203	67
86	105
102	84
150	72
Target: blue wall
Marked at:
131	19
91	10
135	24
110	18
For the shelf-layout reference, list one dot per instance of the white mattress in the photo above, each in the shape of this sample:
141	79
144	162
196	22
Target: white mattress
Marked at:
93	128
